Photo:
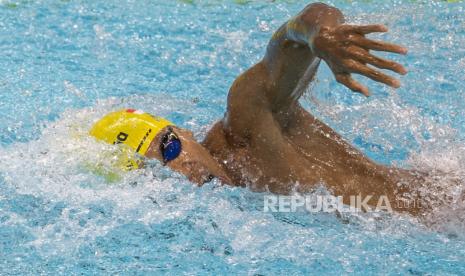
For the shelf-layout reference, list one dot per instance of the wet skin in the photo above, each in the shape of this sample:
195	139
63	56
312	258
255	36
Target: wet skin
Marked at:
195	162
267	141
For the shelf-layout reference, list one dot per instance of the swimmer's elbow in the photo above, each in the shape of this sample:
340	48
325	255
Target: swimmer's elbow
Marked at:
303	27
320	14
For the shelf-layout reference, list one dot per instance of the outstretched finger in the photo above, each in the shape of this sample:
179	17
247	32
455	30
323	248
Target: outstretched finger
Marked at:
379	45
375	75
365	57
353	85
366	29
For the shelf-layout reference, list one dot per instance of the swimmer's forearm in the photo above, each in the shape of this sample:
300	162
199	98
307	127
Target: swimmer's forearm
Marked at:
305	26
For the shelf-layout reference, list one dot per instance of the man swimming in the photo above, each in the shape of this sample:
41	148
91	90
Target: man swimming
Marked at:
267	140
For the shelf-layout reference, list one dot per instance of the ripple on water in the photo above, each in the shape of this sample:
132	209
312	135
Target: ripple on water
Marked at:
65	64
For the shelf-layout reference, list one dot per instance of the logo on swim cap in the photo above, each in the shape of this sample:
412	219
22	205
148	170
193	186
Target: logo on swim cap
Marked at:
135	111
121	137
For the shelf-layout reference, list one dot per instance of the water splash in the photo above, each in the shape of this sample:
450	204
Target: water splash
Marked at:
66	64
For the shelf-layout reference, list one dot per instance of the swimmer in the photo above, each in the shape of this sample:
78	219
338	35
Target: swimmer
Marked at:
269	142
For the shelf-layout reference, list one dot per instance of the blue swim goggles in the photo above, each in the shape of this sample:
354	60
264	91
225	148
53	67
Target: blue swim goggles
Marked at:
170	146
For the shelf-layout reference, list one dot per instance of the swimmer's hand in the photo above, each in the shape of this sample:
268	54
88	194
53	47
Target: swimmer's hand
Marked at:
346	50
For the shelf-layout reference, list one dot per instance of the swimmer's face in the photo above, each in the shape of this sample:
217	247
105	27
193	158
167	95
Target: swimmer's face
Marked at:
194	161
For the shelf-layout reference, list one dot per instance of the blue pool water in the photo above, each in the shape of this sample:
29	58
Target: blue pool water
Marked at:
63	64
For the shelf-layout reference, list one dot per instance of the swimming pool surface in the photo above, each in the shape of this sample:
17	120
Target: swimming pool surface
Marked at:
63	64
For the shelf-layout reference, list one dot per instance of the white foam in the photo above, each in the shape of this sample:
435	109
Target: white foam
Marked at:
51	168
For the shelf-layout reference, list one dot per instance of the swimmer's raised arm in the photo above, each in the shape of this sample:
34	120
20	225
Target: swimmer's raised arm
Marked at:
318	32
276	83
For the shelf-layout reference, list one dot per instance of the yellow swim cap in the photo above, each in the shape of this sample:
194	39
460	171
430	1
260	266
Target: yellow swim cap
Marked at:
133	128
